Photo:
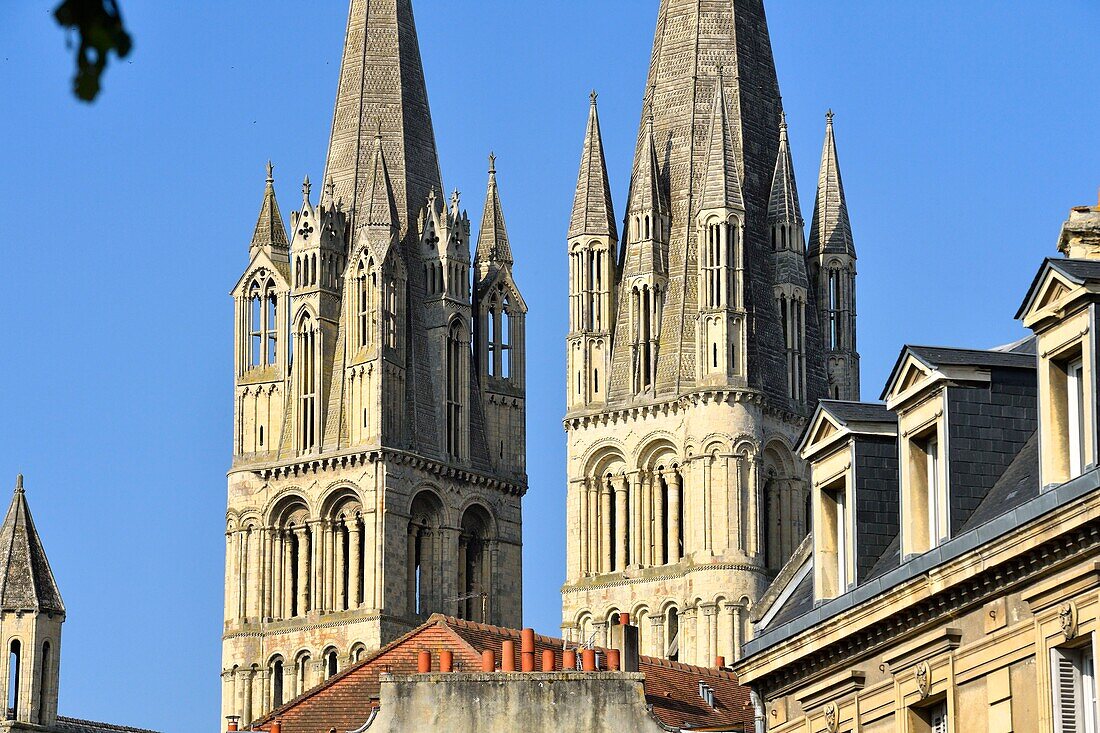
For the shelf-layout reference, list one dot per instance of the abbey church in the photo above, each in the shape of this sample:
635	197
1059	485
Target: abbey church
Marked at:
379	416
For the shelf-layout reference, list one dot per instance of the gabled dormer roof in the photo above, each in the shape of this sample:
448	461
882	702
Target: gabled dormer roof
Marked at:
722	185
381	206
919	366
27	581
492	238
835	420
270	232
1058	282
593	212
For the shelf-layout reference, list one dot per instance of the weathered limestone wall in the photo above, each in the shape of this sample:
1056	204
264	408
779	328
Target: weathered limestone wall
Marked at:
504	703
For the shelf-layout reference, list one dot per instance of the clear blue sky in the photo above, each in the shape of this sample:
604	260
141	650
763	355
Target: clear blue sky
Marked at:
966	132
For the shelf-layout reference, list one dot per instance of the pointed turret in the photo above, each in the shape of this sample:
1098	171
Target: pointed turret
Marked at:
722	186
832	258
27	582
593	212
382	87
645	186
830	231
270	233
783	207
492	239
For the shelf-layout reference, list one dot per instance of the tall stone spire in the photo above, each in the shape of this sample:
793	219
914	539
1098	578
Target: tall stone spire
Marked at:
593	212
694	39
382	88
722	185
492	238
27	581
270	233
830	231
783	207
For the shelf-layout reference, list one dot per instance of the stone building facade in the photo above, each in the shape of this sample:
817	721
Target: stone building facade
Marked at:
698	345
953	577
379	421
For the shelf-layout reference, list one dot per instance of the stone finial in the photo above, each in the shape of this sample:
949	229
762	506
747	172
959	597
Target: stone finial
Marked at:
592	97
1080	236
306	188
330	188
19	484
492	164
270	172
829	117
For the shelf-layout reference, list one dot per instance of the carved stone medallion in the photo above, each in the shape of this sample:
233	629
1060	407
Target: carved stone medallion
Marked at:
832	718
924	679
1067	617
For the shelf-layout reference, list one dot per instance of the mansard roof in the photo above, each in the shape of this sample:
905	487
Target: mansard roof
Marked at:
593	212
346	700
831	229
27	582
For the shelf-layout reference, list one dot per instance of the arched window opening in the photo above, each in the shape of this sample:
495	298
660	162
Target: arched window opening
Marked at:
357	653
457	359
506	340
306	349
389	323
834	307
271	323
44	680
421	578
596	381
303	674
474	579
492	330
363	305
277	683
256	332
14	668
332	664
672	634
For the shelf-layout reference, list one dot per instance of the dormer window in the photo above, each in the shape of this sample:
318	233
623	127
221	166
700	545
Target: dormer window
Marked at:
1075	417
833	540
927	516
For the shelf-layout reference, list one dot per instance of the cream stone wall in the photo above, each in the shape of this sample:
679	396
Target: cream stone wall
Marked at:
727	464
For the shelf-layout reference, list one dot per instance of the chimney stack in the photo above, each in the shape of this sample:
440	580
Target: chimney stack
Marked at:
527	650
630	645
232	722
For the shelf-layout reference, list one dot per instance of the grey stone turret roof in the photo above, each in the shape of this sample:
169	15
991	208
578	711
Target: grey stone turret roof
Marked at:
27	583
783	206
831	230
645	191
593	212
492	238
270	232
722	186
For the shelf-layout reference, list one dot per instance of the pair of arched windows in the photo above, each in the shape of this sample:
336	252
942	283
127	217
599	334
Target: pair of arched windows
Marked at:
366	302
306	357
15	672
792	317
719	255
264	323
645	310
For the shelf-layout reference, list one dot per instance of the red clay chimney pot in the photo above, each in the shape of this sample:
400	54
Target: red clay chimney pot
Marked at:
720	662
624	619
446	661
569	660
424	661
547	660
613	660
508	656
488	661
527	641
588	660
527	661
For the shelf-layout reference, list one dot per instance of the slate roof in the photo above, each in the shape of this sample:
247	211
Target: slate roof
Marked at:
1076	271
27	583
76	725
346	700
859	411
937	356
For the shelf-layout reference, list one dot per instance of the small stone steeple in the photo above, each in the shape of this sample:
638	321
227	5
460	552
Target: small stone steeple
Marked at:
593	212
830	231
492	240
783	207
31	614
270	233
832	258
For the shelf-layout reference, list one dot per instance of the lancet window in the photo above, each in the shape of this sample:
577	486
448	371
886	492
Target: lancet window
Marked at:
645	310
263	316
458	357
305	350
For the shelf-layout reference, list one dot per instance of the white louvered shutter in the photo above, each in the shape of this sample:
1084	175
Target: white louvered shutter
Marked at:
1066	692
939	718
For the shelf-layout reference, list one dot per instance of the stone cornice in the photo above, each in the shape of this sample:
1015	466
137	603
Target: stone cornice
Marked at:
671	572
305	465
702	396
